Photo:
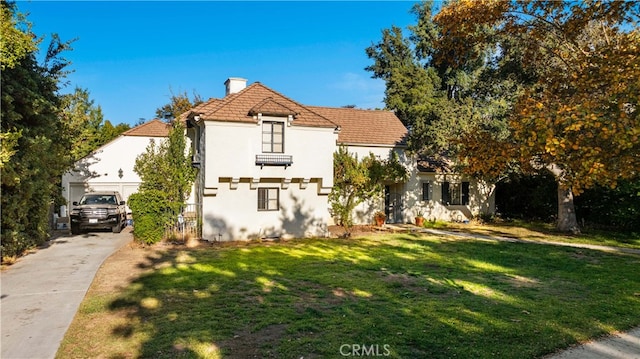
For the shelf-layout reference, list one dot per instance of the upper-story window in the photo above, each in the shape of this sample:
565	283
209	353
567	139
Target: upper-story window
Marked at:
272	137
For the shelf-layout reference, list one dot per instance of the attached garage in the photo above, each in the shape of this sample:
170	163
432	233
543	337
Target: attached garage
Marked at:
110	167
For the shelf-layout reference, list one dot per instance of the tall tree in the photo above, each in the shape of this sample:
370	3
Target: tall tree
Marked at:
525	85
178	105
438	102
32	127
166	166
83	120
108	131
579	117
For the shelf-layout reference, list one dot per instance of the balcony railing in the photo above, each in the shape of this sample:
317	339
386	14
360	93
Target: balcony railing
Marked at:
274	160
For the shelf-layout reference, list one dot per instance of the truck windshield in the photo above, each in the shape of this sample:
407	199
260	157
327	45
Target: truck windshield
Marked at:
98	199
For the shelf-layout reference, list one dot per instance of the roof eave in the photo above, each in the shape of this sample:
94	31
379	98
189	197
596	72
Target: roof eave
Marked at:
362	144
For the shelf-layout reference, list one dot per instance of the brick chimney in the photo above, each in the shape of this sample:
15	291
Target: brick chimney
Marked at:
234	85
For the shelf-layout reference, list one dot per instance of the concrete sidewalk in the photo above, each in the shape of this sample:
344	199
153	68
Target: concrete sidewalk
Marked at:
617	346
41	293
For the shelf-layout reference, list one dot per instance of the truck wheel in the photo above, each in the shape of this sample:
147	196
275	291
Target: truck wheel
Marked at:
75	229
118	227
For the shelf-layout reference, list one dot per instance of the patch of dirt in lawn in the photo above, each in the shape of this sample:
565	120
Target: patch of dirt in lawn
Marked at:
134	259
247	344
356	231
124	266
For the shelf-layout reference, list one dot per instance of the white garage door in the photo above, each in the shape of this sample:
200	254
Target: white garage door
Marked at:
76	190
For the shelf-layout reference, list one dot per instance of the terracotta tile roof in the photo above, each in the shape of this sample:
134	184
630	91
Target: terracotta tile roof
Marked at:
241	106
153	128
271	107
375	127
437	165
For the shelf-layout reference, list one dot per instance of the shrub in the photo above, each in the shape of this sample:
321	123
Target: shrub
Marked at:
151	211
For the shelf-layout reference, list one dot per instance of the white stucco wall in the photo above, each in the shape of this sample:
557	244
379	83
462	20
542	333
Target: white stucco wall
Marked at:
364	212
231	148
233	213
481	195
230	178
99	170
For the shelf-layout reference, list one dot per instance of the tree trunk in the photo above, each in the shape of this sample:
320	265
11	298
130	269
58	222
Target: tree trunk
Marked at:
567	221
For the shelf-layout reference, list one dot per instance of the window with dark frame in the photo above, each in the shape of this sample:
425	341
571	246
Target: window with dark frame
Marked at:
455	193
268	199
425	191
272	137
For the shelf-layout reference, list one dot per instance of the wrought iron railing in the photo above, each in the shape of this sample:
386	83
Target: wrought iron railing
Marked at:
185	223
274	160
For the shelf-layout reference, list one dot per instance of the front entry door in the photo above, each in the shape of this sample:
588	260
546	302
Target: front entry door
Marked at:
392	204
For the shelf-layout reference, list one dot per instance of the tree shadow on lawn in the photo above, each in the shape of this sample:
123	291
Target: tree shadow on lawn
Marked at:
419	296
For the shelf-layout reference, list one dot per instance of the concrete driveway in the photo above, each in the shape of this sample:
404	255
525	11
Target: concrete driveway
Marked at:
41	293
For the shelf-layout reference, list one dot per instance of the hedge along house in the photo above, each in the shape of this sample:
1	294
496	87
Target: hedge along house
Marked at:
110	167
266	166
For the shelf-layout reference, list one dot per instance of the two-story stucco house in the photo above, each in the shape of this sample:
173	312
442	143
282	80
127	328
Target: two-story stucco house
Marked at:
266	166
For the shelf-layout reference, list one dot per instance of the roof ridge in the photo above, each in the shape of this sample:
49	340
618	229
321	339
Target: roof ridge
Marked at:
230	98
270	100
352	108
297	103
137	128
153	128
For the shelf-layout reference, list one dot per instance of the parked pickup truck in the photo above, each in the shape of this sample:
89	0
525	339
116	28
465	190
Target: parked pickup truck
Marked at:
98	210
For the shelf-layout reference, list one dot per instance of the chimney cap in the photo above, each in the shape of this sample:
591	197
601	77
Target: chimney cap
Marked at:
234	85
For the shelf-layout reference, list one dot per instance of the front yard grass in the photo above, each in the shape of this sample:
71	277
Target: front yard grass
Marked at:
538	231
405	295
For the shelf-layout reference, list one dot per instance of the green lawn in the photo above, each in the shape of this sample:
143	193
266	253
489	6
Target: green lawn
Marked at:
405	295
546	232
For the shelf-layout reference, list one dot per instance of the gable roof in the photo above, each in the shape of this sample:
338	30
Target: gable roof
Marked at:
370	127
153	128
255	98
271	107
357	126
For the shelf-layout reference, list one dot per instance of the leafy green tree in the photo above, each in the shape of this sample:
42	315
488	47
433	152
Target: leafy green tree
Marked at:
17	40
611	208
35	141
164	168
85	124
355	181
438	102
152	211
108	132
83	120
521	86
178	105
578	117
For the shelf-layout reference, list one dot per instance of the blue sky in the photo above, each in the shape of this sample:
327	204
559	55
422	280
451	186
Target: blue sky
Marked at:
132	55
